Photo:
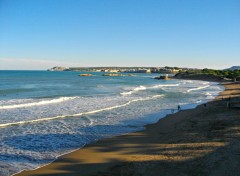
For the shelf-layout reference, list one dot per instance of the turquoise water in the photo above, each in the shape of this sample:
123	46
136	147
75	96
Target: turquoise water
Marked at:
46	114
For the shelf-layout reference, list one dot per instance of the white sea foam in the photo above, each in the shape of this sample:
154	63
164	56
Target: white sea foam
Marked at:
198	101
164	85
44	102
208	93
78	114
134	90
198	88
140	88
211	95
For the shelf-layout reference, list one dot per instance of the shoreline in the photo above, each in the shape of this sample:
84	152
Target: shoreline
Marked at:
144	126
86	153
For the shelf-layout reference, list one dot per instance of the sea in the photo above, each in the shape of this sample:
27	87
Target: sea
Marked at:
45	114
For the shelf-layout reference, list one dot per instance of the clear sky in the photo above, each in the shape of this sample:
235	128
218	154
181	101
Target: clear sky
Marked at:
39	34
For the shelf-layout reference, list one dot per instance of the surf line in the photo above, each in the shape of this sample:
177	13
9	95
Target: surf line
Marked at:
44	102
198	88
79	114
139	88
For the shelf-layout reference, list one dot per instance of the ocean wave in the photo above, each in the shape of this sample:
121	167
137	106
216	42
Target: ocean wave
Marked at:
145	88
198	88
134	90
44	102
164	85
206	83
78	114
208	93
211	95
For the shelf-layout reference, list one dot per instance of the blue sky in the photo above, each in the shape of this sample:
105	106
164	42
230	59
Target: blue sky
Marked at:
38	34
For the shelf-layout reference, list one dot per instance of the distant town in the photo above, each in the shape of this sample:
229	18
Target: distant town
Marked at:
162	70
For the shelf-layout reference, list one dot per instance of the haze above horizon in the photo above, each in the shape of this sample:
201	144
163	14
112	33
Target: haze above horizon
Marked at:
87	33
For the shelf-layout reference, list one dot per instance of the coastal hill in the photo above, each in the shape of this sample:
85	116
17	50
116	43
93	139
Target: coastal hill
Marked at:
233	68
58	68
209	74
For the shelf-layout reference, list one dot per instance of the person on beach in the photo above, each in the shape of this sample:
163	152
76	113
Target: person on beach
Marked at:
179	108
228	105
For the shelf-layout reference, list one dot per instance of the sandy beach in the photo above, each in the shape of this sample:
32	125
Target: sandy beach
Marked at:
200	141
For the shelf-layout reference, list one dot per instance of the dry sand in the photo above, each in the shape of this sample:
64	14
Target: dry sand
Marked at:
200	141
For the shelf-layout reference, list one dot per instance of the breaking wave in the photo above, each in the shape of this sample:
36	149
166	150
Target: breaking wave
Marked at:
198	88
79	114
134	90
140	88
44	102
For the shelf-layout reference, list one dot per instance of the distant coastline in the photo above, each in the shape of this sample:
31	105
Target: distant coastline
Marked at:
232	73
